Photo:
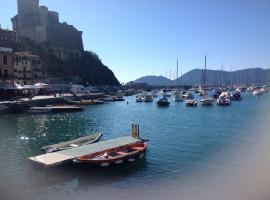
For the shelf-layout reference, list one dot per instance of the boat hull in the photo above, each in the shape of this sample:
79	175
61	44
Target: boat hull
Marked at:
98	159
73	143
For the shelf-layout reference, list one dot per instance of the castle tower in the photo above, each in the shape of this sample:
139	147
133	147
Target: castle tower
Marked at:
28	13
27	6
41	25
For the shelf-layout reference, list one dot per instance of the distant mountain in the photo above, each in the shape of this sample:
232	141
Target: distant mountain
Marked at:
249	76
154	81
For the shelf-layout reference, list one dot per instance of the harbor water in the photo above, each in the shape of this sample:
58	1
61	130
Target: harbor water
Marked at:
194	153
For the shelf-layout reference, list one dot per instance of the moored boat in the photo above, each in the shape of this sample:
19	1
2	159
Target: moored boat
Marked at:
207	101
39	110
224	99
91	102
188	96
118	98
55	108
191	103
90	139
177	97
115	156
163	102
139	99
148	98
236	95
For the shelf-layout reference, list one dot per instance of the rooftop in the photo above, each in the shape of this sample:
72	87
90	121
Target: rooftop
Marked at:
6	50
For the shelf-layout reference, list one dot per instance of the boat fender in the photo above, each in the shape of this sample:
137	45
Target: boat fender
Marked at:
131	160
75	161
105	164
119	162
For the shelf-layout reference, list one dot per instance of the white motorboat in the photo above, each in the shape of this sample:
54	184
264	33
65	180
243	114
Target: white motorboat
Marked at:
224	99
177	97
191	103
188	95
207	101
148	98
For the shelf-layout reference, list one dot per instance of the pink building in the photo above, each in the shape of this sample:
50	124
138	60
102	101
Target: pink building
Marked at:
6	65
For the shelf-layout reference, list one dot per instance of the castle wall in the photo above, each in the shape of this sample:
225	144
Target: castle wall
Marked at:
41	25
27	6
65	36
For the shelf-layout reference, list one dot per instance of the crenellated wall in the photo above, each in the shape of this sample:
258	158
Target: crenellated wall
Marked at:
41	25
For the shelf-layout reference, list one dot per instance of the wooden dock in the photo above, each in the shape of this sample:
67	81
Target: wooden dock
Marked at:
57	158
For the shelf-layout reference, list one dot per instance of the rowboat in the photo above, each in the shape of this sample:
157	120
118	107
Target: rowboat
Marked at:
90	139
115	156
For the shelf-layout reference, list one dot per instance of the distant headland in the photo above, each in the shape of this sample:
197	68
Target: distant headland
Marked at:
248	77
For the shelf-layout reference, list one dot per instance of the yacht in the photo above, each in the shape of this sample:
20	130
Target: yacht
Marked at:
224	99
236	95
191	103
207	101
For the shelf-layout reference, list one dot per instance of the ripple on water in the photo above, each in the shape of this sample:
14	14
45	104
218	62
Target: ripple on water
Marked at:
182	141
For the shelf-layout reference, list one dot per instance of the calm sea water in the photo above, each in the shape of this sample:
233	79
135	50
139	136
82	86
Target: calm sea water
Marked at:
193	152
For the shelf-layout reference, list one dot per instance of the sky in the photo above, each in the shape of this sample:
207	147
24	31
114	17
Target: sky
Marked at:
135	38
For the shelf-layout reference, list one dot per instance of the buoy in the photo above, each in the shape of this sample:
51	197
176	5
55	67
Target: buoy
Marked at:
131	160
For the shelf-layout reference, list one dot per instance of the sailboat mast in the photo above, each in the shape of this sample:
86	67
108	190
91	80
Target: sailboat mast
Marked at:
231	77
204	75
222	76
177	73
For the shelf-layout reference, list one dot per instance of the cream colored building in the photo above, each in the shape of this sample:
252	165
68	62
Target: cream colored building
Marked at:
27	68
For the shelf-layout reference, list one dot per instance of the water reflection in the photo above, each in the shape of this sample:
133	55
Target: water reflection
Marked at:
218	153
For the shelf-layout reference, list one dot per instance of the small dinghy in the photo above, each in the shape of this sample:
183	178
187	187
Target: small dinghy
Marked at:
73	143
115	156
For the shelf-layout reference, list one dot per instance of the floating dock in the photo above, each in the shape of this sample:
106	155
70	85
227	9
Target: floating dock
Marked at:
57	158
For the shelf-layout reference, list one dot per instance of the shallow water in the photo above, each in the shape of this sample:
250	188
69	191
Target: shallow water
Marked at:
194	153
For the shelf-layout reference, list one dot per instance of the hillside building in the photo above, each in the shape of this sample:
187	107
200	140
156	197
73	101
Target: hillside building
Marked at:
27	68
8	38
6	65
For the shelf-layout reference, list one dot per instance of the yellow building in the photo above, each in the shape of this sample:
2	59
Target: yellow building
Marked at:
27	68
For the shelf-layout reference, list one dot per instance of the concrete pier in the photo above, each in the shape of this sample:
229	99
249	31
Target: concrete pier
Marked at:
57	158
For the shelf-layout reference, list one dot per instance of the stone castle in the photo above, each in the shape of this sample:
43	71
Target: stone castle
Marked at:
42	26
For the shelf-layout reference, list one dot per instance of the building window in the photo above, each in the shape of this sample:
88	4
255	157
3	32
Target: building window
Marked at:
5	73
5	60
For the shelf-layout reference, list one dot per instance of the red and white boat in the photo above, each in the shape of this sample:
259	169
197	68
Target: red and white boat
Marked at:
115	156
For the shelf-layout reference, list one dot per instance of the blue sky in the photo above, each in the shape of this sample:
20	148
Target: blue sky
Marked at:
145	37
